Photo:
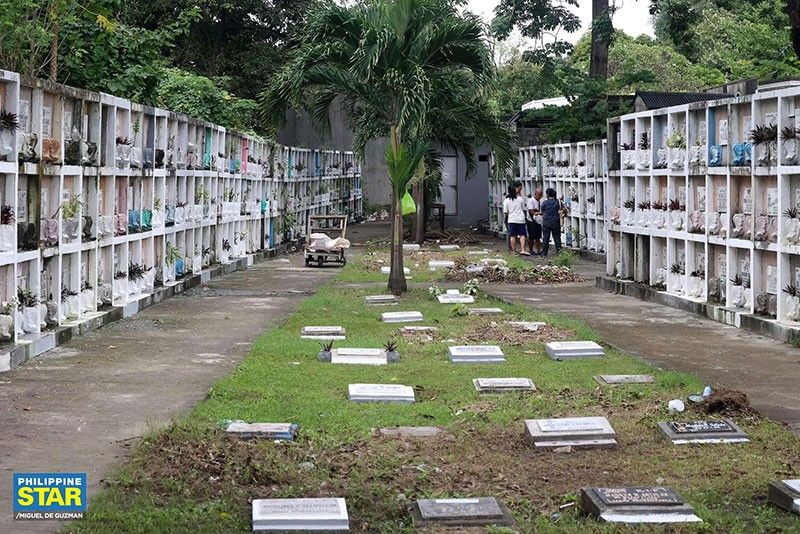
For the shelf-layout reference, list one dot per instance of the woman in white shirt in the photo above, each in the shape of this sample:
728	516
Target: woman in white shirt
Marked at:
514	209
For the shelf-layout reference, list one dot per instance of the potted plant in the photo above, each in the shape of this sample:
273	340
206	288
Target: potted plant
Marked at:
122	151
208	256
136	152
7	228
226	251
677	215
324	355
391	351
740	292
629	216
791	303
435	291
170	259
157	217
697	222
87	298
644	214
695	285
677	150
70	304
675	279
791	227
197	261
697	154
7	312
9	123
120	287
70	214
765	139
644	154
789	136
29	316
472	287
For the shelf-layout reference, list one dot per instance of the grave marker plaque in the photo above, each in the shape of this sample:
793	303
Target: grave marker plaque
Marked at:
614	380
410	247
300	515
378	300
401	317
485	311
637	505
576	432
573	350
359	356
273	431
441	264
503	385
323	333
476	354
380	393
410	432
528	326
387	270
469	512
449	248
456	299
705	431
785	494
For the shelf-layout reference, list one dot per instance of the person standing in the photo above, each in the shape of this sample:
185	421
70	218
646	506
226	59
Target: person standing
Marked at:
514	211
551	221
534	221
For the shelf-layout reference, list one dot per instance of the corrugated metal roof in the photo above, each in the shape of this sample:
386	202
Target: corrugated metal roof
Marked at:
658	99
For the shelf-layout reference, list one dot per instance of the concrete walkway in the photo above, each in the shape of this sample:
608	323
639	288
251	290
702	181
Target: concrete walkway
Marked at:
768	371
81	406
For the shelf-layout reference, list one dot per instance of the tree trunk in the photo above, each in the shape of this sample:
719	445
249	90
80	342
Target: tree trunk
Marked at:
602	32
397	278
419	217
54	44
793	9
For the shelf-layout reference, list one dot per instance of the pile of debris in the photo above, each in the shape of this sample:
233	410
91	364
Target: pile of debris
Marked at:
502	274
452	236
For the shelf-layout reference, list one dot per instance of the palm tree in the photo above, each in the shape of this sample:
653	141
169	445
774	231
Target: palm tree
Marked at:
387	62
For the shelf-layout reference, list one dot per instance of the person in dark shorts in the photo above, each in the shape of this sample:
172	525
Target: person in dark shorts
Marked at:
514	211
551	221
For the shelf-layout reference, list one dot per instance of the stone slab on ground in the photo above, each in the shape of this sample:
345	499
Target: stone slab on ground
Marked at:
494	261
485	311
573	350
786	494
527	326
476	354
455	299
388	270
449	248
703	431
359	356
378	300
477	252
410	431
575	432
273	431
410	247
380	393
402	317
637	505
323	330
300	515
469	512
504	385
418	329
434	265
615	380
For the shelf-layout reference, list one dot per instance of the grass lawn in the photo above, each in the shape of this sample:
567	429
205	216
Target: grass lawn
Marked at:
191	478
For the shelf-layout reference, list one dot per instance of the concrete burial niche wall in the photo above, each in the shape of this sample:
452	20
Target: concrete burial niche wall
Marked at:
112	205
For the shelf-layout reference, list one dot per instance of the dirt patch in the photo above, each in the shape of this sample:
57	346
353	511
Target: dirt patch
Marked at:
727	402
506	334
533	275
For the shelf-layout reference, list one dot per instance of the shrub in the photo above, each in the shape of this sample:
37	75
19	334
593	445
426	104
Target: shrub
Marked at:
565	258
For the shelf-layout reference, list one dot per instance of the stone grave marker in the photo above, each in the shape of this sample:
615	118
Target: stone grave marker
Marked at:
410	247
485	311
380	393
273	431
388	270
528	326
414	329
476	354
441	264
449	248
458	298
483	252
615	380
503	385
477	512
704	431
637	505
575	432
300	515
785	494
573	350
359	356
410	431
323	333
402	317
381	300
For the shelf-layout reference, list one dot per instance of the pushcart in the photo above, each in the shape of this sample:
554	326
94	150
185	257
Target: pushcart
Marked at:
333	226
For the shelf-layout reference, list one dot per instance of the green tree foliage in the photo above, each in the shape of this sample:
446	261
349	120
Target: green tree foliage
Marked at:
200	97
540	20
243	40
519	81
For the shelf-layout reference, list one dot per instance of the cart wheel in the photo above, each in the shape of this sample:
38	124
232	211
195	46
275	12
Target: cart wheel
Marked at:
308	262
320	261
344	261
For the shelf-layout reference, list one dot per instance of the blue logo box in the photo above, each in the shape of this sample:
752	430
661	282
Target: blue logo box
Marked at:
49	495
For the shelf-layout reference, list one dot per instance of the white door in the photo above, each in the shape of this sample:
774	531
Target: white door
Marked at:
450	185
